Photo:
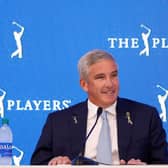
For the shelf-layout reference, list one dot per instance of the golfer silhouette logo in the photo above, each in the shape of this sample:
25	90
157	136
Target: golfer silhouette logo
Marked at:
2	96
162	101
145	36
18	36
17	158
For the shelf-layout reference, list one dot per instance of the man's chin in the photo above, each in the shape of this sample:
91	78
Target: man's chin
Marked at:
109	103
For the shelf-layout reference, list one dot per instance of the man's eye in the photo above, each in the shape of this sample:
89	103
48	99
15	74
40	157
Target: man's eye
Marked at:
99	77
114	74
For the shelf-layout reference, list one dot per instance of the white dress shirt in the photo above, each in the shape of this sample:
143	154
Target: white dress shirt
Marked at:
91	143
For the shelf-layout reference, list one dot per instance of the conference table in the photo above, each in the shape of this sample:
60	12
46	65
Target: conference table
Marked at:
99	166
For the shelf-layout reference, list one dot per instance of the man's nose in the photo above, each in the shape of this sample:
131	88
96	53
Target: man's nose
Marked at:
109	82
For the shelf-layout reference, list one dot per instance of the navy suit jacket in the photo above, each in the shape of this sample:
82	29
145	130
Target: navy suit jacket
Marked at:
64	134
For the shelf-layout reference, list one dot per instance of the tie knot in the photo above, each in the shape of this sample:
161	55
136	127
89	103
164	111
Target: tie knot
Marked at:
104	115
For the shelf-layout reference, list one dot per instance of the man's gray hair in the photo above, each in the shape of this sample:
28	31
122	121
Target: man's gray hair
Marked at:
91	58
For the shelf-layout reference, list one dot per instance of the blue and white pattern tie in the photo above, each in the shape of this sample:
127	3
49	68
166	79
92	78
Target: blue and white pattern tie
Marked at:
104	153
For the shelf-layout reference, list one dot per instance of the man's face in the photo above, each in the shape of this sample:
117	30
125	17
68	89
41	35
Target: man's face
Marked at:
102	84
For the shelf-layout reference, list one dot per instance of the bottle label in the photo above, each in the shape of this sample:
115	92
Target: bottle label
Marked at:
5	149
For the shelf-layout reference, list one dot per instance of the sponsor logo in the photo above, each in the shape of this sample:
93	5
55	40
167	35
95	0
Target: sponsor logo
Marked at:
5	146
162	101
17	158
5	149
17	36
2	96
37	105
143	43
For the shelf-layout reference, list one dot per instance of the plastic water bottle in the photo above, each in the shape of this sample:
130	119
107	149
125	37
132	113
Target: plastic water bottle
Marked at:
6	139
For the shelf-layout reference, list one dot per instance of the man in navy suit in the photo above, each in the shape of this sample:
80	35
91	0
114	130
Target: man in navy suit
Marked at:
136	131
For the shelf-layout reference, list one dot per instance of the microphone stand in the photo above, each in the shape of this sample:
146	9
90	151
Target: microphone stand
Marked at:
81	160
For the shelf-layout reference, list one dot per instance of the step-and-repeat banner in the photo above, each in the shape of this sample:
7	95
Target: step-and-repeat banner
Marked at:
41	42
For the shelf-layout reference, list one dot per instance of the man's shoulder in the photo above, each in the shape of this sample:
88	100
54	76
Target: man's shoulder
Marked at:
134	103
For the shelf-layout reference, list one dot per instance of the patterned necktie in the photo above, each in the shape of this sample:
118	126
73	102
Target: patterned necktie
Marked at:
104	153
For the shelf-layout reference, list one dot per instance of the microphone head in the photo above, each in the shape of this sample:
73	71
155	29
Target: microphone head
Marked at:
99	111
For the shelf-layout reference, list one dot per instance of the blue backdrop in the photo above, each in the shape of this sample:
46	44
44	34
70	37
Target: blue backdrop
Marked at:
41	42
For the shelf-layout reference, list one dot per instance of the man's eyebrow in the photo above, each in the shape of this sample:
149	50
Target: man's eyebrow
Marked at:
99	74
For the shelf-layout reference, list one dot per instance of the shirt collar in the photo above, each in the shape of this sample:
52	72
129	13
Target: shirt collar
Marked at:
92	109
112	109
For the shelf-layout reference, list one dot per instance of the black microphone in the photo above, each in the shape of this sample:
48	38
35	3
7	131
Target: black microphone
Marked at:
81	160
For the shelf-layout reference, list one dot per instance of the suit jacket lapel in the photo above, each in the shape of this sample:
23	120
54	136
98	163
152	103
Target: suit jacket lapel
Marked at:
78	123
124	128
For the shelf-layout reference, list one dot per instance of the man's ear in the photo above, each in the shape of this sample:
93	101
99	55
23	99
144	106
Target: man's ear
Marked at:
84	85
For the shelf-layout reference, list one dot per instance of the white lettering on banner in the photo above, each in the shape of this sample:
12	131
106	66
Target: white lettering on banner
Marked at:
36	105
123	42
162	41
134	42
145	41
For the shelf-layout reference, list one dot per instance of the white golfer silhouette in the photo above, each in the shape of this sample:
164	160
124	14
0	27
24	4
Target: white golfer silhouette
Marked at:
162	101
145	36
17	159
18	36
2	96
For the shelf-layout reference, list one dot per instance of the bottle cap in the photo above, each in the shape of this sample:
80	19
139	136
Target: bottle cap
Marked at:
5	121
